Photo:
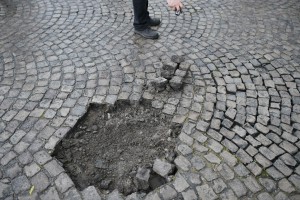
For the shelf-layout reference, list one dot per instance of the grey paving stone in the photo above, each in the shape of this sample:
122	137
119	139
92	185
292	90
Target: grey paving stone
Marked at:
225	171
287	146
169	109
40	124
5	190
275	138
202	126
294	197
186	139
239	130
193	178
288	160
252	184
20	184
189	195
182	163
135	196
151	196
184	149
228	195
13	171
63	182
199	136
262	161
5	148
32	169
229	145
35	145
240	119
215	124
212	158
227	123
188	128
264	140
72	194
17	136
40	181
238	187
240	142
262	128
215	146
281	196
268	183
264	196
51	193
142	178
282	167
4	135
254	168
162	167
205	192
21	147
243	156
227	133
264	120
197	162
208	174
251	150
47	132
228	158
168	192
7	158
241	170
219	185
42	157
295	180
180	183
267	153
297	156
277	150
215	135
90	193
199	147
286	186
252	141
274	173
230	113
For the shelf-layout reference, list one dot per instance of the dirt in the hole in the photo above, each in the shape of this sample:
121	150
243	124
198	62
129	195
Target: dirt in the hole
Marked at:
108	144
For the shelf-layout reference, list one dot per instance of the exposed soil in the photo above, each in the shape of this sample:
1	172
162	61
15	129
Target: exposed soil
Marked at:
106	147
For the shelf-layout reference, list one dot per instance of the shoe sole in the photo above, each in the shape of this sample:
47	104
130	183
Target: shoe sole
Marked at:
153	38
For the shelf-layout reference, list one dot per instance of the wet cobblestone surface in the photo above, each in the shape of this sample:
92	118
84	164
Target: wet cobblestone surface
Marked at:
239	105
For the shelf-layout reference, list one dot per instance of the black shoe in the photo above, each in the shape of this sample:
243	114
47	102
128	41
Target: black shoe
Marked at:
147	33
154	22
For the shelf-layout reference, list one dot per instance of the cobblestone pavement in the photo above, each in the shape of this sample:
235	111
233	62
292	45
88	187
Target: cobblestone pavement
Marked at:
240	104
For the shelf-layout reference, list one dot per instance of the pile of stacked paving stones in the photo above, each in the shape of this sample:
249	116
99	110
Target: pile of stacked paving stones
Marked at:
172	74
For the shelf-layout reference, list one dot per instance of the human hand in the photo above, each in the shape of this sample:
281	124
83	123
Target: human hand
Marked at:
175	4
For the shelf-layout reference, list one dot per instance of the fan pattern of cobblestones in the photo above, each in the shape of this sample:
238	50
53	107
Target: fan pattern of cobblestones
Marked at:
239	107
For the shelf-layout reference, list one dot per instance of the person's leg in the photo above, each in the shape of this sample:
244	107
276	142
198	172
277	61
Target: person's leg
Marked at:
141	20
141	14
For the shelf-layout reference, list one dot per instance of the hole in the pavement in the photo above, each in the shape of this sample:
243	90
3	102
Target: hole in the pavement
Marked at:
125	147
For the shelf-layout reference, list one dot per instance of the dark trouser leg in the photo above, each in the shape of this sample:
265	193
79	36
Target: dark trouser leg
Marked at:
141	14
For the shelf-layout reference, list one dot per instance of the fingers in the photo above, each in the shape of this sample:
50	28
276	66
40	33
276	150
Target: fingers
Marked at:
175	4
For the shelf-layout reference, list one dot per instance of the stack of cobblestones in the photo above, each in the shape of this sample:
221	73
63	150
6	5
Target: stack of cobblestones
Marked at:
172	74
239	103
